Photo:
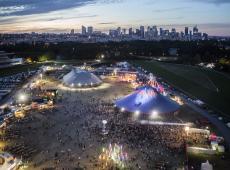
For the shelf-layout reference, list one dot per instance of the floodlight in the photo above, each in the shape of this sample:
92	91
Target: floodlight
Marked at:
186	128
22	97
104	122
137	113
154	115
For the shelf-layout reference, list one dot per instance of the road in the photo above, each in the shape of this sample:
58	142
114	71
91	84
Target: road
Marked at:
224	130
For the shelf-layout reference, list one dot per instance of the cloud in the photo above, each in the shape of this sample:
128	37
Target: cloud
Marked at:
106	23
11	9
218	2
170	9
28	7
43	18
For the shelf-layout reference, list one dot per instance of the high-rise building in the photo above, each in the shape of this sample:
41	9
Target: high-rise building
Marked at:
195	29
190	34
205	36
142	31
72	31
186	31
113	33
124	31
119	30
130	31
90	30
161	31
166	32
83	30
138	32
155	32
173	30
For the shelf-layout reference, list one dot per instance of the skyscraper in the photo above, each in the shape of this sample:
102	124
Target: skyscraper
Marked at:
155	32
83	30
161	31
190	34
72	31
119	30
142	31
124	31
130	31
173	30
186	31
138	32
195	29
90	30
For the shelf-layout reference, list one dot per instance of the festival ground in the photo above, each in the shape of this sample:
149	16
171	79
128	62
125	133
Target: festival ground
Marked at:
70	134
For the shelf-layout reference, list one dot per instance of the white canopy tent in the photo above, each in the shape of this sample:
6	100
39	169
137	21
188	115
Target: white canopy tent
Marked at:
81	78
206	166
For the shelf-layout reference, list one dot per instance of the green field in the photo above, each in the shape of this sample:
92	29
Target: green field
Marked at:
216	160
209	86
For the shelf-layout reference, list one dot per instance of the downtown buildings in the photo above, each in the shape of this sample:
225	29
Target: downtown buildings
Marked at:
88	34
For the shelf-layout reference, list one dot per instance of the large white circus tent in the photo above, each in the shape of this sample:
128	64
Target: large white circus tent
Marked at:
81	78
147	100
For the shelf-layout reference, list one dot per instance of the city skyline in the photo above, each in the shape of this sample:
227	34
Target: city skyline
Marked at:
211	16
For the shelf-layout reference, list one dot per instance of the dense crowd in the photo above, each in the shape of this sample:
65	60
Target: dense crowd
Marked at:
71	135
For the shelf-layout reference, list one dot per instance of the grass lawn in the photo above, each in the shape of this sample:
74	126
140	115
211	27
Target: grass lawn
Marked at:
216	160
210	86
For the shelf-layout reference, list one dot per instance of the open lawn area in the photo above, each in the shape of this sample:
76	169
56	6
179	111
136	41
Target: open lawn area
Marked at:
221	164
210	86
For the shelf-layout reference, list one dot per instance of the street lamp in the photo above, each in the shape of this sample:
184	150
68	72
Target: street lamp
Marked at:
22	97
41	76
104	131
186	130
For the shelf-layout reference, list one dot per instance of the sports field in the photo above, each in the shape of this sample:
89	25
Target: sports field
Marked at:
210	86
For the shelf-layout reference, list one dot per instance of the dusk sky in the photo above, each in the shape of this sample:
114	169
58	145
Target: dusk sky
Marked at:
211	16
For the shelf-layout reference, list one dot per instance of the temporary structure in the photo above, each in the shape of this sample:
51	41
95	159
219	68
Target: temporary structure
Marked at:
81	78
147	100
206	166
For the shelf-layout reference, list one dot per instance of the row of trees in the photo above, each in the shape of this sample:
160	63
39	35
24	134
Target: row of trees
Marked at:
188	52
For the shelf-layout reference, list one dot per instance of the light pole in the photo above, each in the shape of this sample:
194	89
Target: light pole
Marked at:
41	76
104	131
187	129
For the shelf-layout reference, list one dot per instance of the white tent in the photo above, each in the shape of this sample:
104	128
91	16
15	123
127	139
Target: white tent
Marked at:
81	78
206	166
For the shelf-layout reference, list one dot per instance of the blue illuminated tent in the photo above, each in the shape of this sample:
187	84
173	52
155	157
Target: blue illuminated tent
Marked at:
146	100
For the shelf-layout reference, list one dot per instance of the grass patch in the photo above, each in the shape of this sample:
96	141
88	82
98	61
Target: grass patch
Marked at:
220	162
196	82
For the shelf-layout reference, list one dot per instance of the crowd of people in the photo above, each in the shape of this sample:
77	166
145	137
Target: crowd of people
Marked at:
70	135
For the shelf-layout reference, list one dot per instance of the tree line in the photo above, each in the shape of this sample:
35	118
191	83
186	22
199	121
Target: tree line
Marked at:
188	52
